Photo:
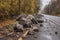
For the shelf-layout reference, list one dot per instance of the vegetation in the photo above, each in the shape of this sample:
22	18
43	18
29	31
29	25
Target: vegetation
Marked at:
53	8
9	9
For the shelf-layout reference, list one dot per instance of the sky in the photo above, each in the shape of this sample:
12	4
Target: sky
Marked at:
44	3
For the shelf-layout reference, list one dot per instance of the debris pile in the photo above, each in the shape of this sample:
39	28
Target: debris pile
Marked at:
23	23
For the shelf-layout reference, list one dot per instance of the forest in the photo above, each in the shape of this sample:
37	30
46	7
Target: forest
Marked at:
10	9
53	8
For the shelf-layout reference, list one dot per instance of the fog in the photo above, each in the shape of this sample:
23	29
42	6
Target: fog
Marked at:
44	3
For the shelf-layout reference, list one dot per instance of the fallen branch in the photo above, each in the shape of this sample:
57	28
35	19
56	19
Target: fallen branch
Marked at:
24	35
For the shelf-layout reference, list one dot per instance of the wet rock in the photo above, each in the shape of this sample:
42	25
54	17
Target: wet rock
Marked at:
41	25
56	33
17	30
30	33
36	30
34	21
40	21
26	26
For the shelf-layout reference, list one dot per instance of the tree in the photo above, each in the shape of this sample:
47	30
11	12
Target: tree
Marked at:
53	8
9	9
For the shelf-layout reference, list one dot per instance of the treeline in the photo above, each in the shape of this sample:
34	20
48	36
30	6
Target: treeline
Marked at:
53	8
9	9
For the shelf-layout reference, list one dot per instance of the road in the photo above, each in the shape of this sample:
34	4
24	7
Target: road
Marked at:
49	31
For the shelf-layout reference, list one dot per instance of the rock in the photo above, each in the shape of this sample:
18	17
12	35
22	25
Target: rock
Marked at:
40	21
56	33
17	30
41	25
34	21
26	26
35	29
30	33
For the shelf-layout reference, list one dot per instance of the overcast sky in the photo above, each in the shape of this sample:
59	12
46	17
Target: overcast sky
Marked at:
44	3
